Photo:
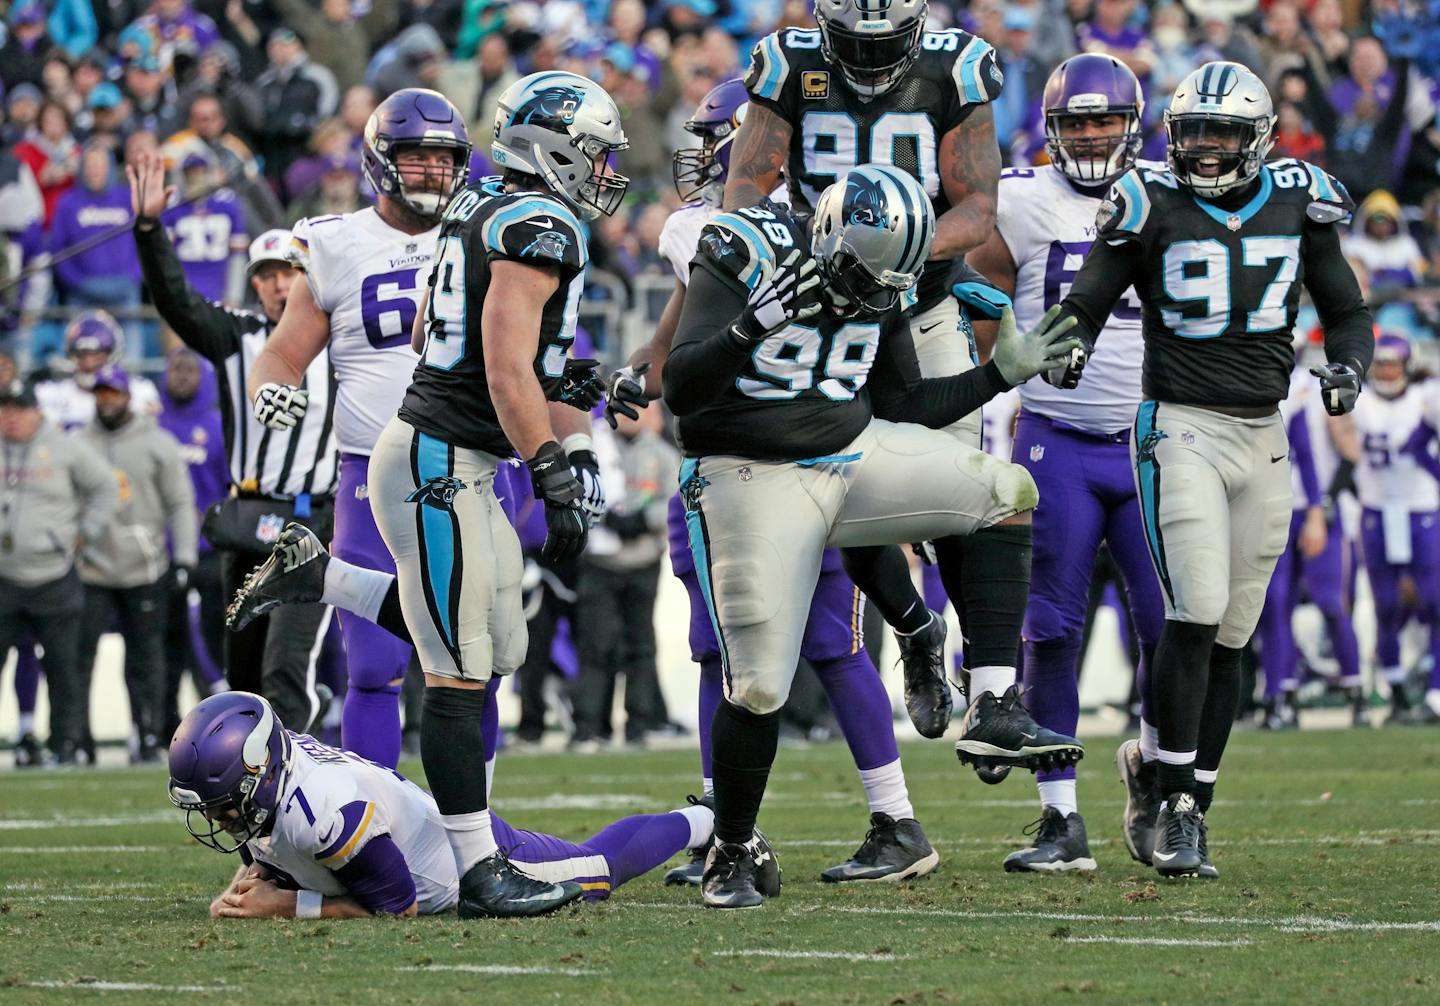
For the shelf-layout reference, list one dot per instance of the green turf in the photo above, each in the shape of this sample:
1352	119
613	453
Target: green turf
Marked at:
1329	844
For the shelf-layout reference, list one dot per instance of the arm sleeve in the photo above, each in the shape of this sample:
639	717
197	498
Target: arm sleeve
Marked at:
1349	329
94	482
1418	447
379	878
1302	456
178	493
707	355
206	328
899	394
1108	271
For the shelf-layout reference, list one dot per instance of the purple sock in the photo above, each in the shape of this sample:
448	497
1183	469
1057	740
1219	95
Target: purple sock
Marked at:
636	845
712	693
1052	691
1345	647
204	660
370	725
862	708
490	720
27	675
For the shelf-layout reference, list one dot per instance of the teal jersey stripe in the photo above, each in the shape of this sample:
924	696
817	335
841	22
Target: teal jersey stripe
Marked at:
750	276
774	62
518	211
1135	200
970	73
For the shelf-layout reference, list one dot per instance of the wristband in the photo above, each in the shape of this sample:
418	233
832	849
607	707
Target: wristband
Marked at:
308	904
577	442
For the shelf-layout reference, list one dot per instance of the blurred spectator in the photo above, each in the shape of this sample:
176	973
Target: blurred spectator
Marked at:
1221	38
175	30
413	59
296	94
106	275
1054	36
475	85
21	109
686	17
128	570
1295	137
1018	107
1283	43
58	83
209	133
209	232
106	114
152	96
52	154
22	57
482	19
647	161
218	75
1378	241
1109	30
339	40
336	191
56	498
1174	50
1327	26
91	70
330	140
1369	112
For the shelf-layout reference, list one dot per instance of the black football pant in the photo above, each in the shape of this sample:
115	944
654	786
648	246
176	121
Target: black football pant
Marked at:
614	624
180	655
139	615
49	612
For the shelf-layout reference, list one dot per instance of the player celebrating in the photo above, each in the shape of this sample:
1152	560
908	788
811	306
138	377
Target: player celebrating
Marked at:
871	85
1075	444
488	365
363	278
771	379
1215	247
324	833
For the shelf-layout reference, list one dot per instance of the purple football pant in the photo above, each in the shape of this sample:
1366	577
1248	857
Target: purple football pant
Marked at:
1323	580
375	660
27	674
1423	569
1087	494
618	852
834	644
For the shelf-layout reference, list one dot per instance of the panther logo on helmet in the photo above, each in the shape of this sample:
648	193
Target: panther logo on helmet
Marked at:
438	492
552	107
864	201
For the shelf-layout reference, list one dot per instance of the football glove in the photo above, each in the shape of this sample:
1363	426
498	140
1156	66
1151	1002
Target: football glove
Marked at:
1339	386
566	523
280	406
792	294
1019	356
625	393
580	385
587	470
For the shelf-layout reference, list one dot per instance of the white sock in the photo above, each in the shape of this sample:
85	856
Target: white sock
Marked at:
27	723
355	588
885	788
707	786
471	839
1432	699
702	824
994	680
1060	794
1393	674
1175	757
1149	742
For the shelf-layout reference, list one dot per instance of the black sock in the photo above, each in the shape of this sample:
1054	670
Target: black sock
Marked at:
1182	674
391	618
742	749
1204	796
883	576
987	576
1222	698
452	748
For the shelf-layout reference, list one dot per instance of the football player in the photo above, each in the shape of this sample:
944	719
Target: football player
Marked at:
493	333
1396	482
770	376
1216	248
364	273
324	833
92	339
872	85
1075	443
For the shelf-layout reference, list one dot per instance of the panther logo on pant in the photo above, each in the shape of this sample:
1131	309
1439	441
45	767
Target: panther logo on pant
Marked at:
438	492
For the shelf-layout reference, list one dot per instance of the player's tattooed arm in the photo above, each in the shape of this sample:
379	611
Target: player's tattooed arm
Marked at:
759	157
970	175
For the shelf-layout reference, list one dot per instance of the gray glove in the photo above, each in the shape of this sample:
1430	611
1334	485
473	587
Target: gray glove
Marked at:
1019	356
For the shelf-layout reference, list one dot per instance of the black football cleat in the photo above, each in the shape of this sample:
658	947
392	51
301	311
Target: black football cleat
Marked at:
1207	870
293	573
690	874
494	889
1060	846
1142	801
29	753
1179	838
999	731
927	692
740	875
892	851
990	773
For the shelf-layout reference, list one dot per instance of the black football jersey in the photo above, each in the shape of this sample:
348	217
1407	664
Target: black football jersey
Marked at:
449	397
834	130
1219	287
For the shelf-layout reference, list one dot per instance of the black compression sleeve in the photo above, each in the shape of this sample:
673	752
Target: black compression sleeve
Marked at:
707	354
900	395
1349	329
205	327
1108	270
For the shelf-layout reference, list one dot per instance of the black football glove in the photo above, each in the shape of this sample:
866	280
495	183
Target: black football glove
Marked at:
791	294
581	386
566	523
625	394
1339	386
587	469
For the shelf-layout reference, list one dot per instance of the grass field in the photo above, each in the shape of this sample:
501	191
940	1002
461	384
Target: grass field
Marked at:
1329	843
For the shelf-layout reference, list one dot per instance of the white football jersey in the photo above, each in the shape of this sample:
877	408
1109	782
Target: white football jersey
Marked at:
997	424
1048	225
369	278
67	405
1387	477
681	236
333	803
1304	399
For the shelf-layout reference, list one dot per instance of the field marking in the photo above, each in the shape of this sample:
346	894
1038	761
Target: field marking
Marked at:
503	969
43	850
88	898
1153	941
819	955
1286	924
111	820
100	986
109	885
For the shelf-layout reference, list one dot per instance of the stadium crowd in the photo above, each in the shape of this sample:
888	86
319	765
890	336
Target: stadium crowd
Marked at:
258	107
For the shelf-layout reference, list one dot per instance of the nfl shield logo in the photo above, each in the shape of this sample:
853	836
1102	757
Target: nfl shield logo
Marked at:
745	474
1037	451
1233	222
268	528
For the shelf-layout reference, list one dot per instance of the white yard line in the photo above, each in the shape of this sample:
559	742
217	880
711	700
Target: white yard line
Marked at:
502	969
1153	941
83	984
1288	924
170	818
46	850
819	955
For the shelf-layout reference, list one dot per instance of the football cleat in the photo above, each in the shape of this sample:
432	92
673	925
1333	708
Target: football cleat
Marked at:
990	773
1142	801
892	851
690	874
1060	846
494	889
999	731
740	875
1359	708
293	573
1207	870
1280	713
1179	837
927	693
28	752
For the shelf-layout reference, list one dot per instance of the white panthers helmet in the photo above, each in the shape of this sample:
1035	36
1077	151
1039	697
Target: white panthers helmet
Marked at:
1218	128
872	42
555	125
871	235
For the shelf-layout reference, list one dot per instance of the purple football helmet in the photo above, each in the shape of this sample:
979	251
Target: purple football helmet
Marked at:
230	754
700	172
1093	84
94	332
1390	368
415	117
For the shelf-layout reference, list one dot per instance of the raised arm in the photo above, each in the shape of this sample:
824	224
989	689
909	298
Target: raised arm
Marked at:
759	156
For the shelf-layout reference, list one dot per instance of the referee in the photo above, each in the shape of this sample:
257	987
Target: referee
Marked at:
275	475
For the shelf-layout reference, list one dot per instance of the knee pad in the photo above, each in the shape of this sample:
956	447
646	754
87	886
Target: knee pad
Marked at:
1015	489
741	588
757	695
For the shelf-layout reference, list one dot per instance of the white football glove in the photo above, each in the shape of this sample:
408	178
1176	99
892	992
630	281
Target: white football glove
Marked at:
792	294
280	406
587	470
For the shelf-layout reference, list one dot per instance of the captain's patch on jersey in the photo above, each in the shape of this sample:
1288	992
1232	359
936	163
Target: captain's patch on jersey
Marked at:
815	84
